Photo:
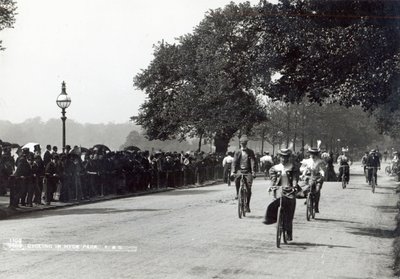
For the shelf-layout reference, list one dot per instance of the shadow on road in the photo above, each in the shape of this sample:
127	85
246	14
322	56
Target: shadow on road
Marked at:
305	245
373	232
335	220
187	192
387	208
83	211
359	188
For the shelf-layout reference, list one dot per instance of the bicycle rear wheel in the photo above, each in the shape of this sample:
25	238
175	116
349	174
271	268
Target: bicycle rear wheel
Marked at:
279	227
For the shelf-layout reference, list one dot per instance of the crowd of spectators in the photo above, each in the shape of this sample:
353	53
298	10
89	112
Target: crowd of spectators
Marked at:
76	174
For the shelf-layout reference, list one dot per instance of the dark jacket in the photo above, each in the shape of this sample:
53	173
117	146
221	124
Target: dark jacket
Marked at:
250	162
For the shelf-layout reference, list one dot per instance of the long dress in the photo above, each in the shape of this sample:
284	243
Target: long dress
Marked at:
330	174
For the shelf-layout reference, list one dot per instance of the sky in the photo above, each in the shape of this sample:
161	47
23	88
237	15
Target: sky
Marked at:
95	46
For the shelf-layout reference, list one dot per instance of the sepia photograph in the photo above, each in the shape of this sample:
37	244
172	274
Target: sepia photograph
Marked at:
193	139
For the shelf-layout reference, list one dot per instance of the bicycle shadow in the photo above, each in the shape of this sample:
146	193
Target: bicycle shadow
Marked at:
374	232
307	245
337	221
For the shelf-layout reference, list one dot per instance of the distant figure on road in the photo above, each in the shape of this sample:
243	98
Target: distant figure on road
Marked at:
227	165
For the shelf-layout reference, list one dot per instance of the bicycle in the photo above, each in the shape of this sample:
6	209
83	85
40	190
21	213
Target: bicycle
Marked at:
242	195
365	173
310	198
280	225
343	178
388	170
229	177
373	178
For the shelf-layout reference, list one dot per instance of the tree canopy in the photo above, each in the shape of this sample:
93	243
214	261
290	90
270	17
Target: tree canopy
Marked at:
7	15
209	83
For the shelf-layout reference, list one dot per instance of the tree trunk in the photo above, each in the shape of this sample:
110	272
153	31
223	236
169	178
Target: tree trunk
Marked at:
221	144
262	141
200	139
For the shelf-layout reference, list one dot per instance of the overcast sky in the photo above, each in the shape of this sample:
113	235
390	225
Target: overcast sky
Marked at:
95	46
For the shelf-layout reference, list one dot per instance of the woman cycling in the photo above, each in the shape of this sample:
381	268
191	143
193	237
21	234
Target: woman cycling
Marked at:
344	162
285	175
314	168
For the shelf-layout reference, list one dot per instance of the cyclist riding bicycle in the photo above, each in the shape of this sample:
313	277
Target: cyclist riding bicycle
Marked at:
344	161
373	161
244	163
395	163
266	162
314	168
227	165
364	162
285	175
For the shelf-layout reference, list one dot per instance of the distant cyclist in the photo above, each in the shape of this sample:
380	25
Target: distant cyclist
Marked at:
244	163
373	161
314	167
227	165
266	162
344	161
364	160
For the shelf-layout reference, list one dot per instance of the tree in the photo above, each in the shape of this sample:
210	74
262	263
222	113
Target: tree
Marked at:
7	15
203	85
330	51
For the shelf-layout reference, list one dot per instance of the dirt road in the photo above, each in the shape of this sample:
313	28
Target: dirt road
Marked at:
195	233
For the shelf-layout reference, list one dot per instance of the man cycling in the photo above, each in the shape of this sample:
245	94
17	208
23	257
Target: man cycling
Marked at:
314	168
373	161
244	163
344	161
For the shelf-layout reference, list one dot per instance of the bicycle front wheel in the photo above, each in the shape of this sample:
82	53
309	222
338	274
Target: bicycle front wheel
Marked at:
279	227
343	181
244	202
240	206
308	207
373	184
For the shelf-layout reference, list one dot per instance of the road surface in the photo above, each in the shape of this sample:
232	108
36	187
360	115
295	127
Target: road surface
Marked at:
195	233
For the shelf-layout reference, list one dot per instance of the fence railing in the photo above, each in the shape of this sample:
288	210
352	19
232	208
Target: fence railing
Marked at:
91	185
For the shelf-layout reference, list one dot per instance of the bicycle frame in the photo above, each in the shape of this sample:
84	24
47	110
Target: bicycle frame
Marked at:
344	182
242	195
310	199
280	226
373	178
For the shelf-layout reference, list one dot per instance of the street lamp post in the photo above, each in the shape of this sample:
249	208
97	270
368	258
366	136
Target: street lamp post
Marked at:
63	101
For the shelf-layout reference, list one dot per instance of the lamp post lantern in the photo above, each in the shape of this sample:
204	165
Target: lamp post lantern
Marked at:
63	101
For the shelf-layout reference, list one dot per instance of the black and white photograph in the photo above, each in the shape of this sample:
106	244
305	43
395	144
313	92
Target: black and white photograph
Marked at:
197	139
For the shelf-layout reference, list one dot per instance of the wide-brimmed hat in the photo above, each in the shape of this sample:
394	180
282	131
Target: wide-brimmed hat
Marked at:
313	151
285	152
